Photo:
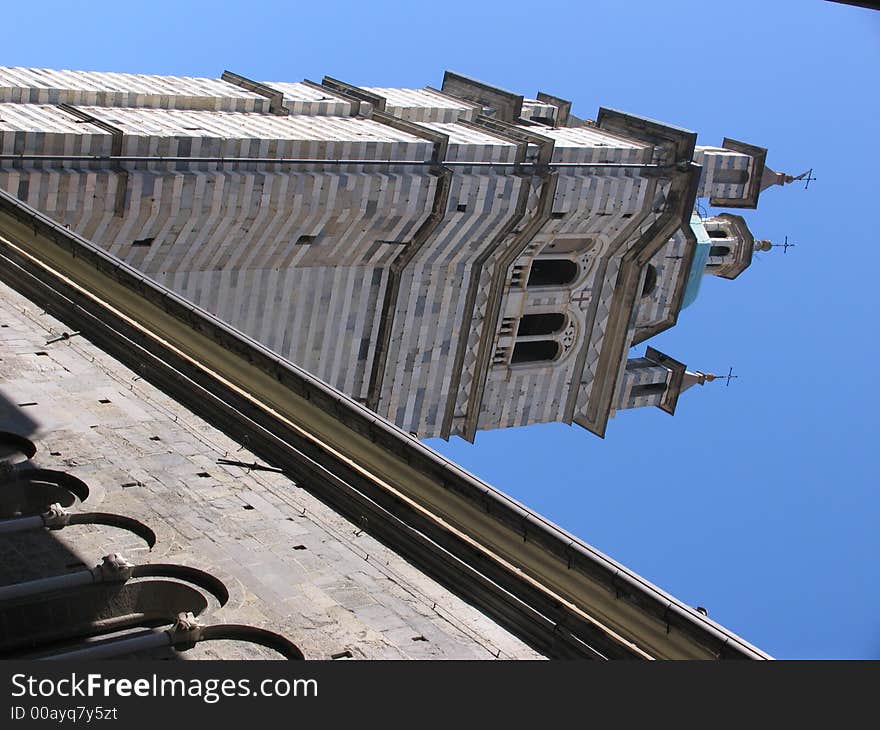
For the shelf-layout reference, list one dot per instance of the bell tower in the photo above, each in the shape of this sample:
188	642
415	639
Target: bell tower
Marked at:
731	245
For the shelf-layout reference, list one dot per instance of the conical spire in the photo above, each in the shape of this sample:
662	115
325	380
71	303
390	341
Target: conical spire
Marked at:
696	378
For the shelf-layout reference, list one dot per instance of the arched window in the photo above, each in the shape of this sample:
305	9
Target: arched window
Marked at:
552	272
569	245
650	281
540	324
534	351
719	251
717	233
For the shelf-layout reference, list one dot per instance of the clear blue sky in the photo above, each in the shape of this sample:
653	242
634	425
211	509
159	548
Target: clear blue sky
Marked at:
758	501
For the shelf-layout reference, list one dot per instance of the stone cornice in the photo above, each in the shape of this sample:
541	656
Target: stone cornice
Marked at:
275	97
507	105
563	107
355	92
680	141
354	102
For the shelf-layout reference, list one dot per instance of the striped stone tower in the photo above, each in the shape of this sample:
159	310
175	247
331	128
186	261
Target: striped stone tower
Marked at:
457	259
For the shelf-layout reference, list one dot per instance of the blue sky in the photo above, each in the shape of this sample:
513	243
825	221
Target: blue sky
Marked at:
759	500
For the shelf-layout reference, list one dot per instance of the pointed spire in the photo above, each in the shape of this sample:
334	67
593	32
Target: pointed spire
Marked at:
696	378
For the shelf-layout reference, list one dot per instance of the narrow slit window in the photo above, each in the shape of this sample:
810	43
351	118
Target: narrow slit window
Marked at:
552	272
534	351
540	324
650	281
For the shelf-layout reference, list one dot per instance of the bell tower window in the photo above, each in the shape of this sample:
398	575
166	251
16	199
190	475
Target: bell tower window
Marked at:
552	272
718	233
540	324
719	251
534	351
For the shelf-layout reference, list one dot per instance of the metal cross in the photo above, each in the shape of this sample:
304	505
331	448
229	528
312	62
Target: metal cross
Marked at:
807	177
730	376
784	246
581	298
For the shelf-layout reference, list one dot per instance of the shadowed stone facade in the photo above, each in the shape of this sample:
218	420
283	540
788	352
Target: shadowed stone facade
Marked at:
291	563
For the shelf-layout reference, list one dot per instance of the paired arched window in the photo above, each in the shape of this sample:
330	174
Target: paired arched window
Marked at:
534	351
535	333
540	324
537	338
552	272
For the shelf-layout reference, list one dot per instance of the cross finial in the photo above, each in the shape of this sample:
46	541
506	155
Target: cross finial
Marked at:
807	177
784	246
771	177
730	376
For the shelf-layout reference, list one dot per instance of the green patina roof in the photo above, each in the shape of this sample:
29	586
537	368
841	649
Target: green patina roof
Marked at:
698	266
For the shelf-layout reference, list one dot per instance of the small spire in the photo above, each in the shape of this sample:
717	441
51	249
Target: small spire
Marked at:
692	378
698	377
